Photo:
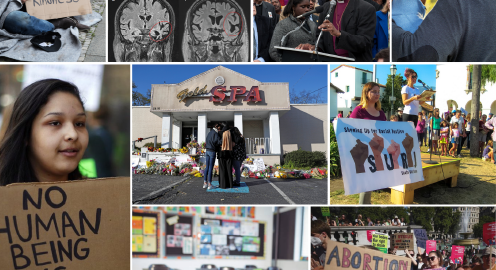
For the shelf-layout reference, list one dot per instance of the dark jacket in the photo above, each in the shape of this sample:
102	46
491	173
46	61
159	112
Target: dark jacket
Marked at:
213	141
239	149
357	31
265	30
302	36
381	40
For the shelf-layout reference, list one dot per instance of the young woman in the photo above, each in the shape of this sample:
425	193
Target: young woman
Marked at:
370	104
420	128
410	96
239	153
444	138
436	259
226	158
435	125
46	136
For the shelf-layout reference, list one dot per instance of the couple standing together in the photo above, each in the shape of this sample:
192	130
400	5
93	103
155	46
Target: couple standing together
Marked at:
228	145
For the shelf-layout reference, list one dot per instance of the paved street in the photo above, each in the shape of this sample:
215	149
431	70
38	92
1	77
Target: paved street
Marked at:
178	190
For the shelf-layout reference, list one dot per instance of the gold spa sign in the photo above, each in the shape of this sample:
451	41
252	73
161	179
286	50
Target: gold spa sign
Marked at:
218	93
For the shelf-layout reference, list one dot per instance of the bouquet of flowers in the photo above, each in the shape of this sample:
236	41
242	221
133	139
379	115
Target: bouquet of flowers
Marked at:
192	144
184	150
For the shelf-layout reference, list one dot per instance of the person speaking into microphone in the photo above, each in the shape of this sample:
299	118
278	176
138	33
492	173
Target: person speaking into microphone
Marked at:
305	35
349	32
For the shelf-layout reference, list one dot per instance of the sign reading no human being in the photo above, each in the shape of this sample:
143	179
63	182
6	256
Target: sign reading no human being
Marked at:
377	154
344	256
54	9
65	225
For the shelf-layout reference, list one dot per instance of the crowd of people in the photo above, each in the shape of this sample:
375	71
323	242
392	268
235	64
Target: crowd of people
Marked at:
474	257
228	146
343	221
356	29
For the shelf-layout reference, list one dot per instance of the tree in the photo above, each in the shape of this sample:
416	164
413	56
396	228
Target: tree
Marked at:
443	219
455	224
140	99
306	97
423	216
385	103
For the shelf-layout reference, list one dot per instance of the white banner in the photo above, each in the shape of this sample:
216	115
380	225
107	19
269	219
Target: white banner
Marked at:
377	154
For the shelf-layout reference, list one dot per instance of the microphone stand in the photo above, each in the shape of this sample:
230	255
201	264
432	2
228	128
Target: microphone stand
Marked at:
332	4
430	161
283	40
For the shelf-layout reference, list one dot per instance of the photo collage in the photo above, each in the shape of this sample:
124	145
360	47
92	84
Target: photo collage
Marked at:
247	134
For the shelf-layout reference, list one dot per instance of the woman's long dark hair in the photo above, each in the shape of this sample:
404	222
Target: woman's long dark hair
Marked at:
289	7
14	151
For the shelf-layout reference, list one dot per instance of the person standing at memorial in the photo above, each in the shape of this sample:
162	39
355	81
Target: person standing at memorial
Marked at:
226	158
239	154
410	96
212	145
46	136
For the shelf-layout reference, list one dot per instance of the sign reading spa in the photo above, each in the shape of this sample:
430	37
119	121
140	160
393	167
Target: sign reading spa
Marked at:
219	93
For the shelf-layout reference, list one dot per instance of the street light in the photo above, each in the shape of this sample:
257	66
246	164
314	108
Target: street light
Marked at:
392	99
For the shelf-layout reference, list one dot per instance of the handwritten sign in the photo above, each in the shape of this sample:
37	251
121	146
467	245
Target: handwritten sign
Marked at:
344	256
65	225
380	241
421	236
430	246
489	233
325	211
54	9
260	164
402	241
377	154
457	254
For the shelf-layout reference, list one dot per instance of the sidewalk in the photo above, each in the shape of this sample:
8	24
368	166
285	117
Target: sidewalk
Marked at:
94	40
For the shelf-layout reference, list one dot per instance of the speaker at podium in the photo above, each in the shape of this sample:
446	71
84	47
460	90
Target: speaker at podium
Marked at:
297	55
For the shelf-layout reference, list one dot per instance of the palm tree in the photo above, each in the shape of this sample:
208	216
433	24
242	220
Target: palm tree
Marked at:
476	87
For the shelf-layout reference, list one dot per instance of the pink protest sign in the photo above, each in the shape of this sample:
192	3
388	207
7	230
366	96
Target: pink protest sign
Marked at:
369	235
430	246
489	233
457	254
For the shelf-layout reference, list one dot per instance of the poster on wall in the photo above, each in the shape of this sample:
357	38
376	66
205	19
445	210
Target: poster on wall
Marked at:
179	234
179	31
145	230
220	211
241	211
231	227
377	154
250	212
231	211
249	228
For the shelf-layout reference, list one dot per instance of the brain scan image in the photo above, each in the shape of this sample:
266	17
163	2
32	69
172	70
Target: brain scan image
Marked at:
144	31
215	31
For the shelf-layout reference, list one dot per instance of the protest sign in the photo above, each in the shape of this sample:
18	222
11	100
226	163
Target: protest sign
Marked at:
54	9
380	241
421	236
65	225
344	256
430	246
489	233
325	211
457	254
377	154
402	241
369	235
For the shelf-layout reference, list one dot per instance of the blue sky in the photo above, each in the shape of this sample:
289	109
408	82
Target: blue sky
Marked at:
300	77
427	73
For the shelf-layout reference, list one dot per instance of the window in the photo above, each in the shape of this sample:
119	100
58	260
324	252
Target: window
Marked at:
364	78
336	75
347	88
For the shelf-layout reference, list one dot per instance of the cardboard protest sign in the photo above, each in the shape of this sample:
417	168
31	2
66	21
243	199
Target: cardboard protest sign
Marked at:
380	241
54	9
72	225
457	254
344	256
402	241
430	246
489	233
377	154
421	236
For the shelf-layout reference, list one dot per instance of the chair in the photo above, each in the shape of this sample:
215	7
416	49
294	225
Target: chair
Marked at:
208	266
226	268
250	267
158	267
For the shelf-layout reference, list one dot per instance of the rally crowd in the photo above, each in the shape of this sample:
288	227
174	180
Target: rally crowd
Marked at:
343	221
437	259
356	29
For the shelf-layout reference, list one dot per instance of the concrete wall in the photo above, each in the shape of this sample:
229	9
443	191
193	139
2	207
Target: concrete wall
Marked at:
305	126
253	129
145	124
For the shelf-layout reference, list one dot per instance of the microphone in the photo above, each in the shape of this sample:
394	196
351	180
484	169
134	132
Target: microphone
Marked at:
319	9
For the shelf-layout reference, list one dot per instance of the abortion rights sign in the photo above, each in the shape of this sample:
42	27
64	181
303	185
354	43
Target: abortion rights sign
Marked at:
380	241
377	154
71	225
402	241
430	246
344	256
54	9
489	233
457	254
421	236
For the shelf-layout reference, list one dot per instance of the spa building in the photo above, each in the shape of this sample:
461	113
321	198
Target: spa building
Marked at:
262	112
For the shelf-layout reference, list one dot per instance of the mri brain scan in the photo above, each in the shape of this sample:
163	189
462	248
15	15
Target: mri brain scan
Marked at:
215	31
144	31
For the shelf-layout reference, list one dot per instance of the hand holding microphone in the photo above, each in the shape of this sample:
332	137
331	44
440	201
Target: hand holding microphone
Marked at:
327	26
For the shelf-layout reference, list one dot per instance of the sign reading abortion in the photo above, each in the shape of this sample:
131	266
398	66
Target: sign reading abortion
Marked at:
72	225
489	233
421	236
377	154
218	93
344	256
54	9
402	241
457	254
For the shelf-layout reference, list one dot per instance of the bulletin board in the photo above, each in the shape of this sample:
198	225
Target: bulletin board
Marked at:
146	234
179	235
225	238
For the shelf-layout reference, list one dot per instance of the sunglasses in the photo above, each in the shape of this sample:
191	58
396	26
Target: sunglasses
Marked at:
432	258
414	77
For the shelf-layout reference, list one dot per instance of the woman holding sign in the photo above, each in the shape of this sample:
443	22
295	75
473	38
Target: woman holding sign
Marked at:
411	96
369	108
46	136
436	259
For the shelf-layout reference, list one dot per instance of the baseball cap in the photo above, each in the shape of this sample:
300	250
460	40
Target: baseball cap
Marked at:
453	111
